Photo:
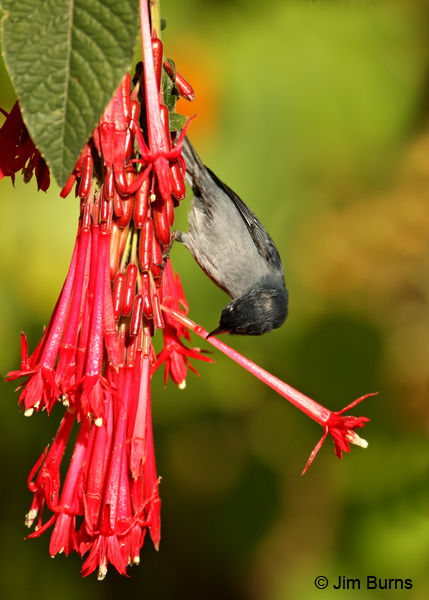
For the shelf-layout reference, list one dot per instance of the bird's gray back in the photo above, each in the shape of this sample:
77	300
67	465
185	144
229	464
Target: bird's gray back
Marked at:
219	236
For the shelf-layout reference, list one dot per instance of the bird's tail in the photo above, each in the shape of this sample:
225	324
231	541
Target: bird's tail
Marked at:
194	167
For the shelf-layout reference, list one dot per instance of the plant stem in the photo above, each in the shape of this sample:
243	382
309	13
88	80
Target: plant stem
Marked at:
155	17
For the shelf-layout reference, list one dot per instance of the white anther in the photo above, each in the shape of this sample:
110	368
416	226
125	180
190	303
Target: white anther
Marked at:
353	438
30	516
102	572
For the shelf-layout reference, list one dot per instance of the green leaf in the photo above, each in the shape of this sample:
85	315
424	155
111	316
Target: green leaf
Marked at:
66	59
167	86
173	66
169	91
163	24
171	94
177	121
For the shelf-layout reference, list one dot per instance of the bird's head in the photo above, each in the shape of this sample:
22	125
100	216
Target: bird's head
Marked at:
259	311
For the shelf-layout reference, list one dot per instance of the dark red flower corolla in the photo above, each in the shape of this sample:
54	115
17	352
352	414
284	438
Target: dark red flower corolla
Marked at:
18	152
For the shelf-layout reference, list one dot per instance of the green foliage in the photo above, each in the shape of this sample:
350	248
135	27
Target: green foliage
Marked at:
66	59
171	96
169	91
176	121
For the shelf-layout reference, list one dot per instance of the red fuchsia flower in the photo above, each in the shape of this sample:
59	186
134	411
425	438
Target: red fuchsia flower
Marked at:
159	154
175	354
342	429
17	151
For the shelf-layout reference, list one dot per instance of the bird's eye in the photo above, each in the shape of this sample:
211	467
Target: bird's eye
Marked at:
239	329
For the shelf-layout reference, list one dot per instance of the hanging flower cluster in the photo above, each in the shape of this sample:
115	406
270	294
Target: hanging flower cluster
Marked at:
96	355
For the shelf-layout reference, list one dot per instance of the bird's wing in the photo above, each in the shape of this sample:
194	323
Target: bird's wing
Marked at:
263	243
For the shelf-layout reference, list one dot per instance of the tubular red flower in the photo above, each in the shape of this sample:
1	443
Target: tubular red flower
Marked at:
175	354
41	389
340	428
158	153
47	483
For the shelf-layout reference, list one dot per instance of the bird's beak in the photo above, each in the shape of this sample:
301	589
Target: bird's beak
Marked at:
217	331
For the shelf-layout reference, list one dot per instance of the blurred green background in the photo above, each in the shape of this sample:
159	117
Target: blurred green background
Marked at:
317	114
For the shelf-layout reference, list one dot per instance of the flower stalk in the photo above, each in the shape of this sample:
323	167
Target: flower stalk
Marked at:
155	18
